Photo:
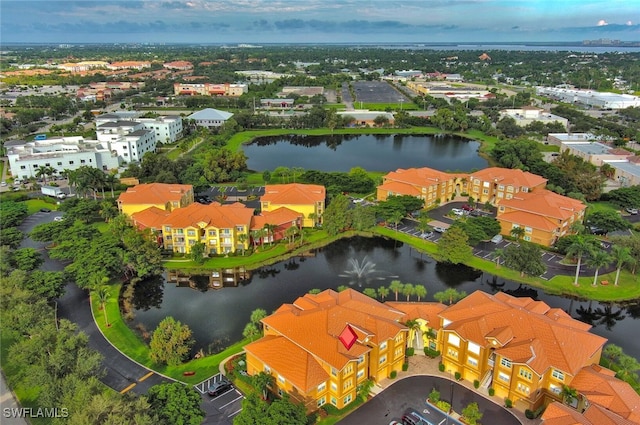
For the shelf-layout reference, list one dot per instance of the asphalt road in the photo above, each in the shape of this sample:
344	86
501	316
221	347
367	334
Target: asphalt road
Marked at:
412	392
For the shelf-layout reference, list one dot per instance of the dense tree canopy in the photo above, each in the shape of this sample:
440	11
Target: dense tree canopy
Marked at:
176	404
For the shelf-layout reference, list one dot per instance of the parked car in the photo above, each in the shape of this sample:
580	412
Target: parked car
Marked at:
412	417
439	229
597	231
426	235
59	218
3	183
219	387
497	239
45	210
632	211
457	211
467	207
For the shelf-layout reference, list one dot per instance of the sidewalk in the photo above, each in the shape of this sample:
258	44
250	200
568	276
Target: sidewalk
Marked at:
420	364
8	401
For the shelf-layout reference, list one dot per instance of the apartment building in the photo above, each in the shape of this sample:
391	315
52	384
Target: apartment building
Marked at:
301	347
210	89
129	140
168	129
494	184
61	153
306	199
523	349
165	197
432	186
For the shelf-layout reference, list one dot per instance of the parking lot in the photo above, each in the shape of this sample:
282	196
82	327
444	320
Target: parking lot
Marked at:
220	409
377	92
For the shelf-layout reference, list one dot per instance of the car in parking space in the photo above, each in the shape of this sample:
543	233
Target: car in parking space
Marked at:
457	211
467	207
219	387
412	417
59	218
632	211
45	210
497	239
3	183
439	229
426	235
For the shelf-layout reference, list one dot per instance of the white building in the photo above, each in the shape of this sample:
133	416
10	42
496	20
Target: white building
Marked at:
603	100
130	140
168	129
60	153
528	114
210	117
627	172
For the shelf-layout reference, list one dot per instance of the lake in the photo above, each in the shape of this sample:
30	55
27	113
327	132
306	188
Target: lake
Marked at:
219	316
373	152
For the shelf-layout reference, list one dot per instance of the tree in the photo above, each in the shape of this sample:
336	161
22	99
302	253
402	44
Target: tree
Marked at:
254	410
383	292
262	382
450	294
342	288
108	210
11	237
176	403
336	215
596	260
472	413
170	342
284	412
270	229
453	247
607	220
243	238
612	352
497	254
407	290
257	315
396	287
517	232
420	291
620	255
627	368
26	259
197	252
47	284
251	331
370	292
577	250
527	259
103	294
568	394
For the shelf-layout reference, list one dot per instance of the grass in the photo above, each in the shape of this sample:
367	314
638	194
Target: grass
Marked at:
34	205
404	106
602	206
126	340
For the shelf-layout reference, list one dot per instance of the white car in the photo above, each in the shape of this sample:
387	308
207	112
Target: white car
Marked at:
3	184
457	211
439	229
58	218
632	211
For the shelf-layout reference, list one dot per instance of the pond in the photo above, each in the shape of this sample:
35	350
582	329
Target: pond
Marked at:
371	152
217	317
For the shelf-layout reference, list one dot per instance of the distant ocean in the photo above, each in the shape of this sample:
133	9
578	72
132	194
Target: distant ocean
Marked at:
515	47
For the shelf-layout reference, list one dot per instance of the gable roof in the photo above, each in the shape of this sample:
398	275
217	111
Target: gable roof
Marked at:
314	323
153	193
212	215
210	114
279	216
545	203
507	176
400	187
418	176
527	331
422	310
293	193
150	218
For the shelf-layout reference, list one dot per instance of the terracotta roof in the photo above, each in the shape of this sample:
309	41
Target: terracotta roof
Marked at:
601	387
534	221
619	151
400	187
154	193
212	215
152	217
414	310
279	216
544	203
298	366
294	193
528	332
560	414
418	176
314	323
507	176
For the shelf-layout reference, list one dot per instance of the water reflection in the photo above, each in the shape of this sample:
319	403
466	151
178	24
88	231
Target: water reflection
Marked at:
220	315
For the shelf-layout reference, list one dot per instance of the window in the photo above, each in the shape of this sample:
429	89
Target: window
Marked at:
23	167
348	369
322	401
267	369
506	363
523	388
239	228
213	242
555	389
281	378
383	346
527	238
334	401
361	359
501	187
528	229
280	392
452	353
82	161
347	399
382	360
473	348
70	162
191	232
348	383
503	377
453	340
398	352
360	373
472	361
212	232
334	387
334	371
558	375
485	191
322	387
59	163
180	231
525	373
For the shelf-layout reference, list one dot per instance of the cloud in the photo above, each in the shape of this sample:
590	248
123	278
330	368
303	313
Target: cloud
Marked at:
602	23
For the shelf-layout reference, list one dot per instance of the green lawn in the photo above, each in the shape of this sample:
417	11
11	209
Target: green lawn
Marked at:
602	206
34	205
404	106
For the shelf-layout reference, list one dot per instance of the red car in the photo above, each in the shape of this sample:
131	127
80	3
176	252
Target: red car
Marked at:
467	207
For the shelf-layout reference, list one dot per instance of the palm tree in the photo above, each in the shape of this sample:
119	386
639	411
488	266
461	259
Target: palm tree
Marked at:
396	286
628	366
414	329
408	290
517	232
621	256
450	294
576	250
270	229
497	254
104	295
396	218
383	292
242	238
43	171
262	382
420	291
111	180
568	394
598	259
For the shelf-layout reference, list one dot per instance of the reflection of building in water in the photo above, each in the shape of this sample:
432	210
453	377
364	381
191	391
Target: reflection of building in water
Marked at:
214	279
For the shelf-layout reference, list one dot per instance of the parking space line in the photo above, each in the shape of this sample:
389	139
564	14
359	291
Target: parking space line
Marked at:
128	388
232	401
234	413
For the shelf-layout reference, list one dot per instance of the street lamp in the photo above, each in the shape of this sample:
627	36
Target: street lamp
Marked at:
451	396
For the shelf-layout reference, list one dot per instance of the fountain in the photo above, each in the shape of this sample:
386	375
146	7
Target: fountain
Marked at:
362	271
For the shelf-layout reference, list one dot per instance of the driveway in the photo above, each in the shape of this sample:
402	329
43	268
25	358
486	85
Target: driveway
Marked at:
220	409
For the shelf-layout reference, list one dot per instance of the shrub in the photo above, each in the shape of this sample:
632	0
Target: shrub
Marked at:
393	374
431	353
405	367
410	351
458	376
444	406
476	384
441	367
508	403
492	391
529	414
434	396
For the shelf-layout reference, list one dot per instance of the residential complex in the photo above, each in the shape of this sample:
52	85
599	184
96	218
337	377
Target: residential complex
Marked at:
210	89
165	197
520	196
306	199
128	139
301	347
62	153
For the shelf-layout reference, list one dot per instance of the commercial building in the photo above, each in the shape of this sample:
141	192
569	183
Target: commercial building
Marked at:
210	118
128	139
365	118
165	197
592	98
167	129
596	153
627	172
210	89
302	347
528	114
62	153
306	199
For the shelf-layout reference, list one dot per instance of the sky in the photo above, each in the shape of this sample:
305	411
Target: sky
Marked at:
316	21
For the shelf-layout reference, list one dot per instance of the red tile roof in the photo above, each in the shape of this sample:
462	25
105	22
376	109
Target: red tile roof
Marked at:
420	177
150	218
214	215
507	176
544	203
414	310
294	194
279	216
154	193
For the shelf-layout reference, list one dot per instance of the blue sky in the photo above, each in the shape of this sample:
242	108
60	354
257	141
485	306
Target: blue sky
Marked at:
316	21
